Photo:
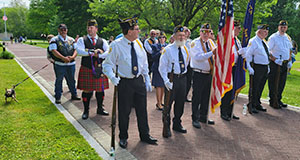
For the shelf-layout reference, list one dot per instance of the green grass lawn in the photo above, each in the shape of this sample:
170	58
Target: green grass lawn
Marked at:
34	128
291	91
38	43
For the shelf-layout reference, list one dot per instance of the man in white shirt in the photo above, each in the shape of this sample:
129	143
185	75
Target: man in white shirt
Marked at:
202	50
280	45
133	80
62	47
176	56
147	45
258	54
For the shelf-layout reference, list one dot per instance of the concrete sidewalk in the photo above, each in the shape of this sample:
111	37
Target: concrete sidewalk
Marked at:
270	135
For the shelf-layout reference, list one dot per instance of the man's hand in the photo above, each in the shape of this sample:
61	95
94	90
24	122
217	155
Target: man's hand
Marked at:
169	85
278	61
148	87
115	80
66	59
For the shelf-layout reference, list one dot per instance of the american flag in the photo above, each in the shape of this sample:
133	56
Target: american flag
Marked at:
224	58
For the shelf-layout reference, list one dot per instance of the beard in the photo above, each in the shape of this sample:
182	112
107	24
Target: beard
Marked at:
180	43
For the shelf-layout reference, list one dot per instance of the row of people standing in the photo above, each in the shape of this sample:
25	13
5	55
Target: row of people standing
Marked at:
133	79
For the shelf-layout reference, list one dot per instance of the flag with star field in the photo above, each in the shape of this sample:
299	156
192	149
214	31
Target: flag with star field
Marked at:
224	58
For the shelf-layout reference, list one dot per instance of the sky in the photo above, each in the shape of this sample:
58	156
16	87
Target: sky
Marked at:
6	3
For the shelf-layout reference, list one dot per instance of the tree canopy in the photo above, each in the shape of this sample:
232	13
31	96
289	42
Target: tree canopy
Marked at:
43	16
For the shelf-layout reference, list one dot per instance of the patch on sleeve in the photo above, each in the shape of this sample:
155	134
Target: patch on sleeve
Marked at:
110	49
250	43
163	52
193	45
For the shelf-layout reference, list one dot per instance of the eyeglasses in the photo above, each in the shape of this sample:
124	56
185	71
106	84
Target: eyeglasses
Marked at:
206	31
161	37
63	29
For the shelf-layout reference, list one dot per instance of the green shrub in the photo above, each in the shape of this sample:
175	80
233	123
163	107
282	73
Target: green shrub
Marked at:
6	55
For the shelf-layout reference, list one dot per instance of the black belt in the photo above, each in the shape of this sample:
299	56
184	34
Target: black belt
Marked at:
179	75
285	61
131	78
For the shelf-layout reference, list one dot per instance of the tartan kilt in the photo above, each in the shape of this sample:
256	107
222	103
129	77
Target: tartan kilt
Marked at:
87	82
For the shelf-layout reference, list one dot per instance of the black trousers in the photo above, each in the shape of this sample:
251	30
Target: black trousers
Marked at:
178	97
201	93
226	104
259	80
282	80
132	92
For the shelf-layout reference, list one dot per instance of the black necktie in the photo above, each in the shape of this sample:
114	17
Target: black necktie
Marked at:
266	48
134	62
181	61
210	60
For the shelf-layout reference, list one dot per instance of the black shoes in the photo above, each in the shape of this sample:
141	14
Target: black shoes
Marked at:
85	115
149	139
57	101
282	104
253	110
123	143
226	117
210	122
235	117
179	128
196	124
188	100
75	98
159	107
261	108
102	112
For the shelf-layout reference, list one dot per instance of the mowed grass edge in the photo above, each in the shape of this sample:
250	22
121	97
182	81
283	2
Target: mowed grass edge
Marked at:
34	128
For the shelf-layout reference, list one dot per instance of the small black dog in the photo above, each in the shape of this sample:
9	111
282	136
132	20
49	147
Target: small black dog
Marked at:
10	93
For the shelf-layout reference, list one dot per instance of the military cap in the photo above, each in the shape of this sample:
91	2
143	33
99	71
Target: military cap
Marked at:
92	22
178	28
283	23
162	34
237	23
129	22
62	26
206	26
263	26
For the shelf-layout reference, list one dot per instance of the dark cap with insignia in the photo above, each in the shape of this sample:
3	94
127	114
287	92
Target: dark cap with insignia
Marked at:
206	26
263	26
129	22
62	26
178	28
283	23
92	22
237	23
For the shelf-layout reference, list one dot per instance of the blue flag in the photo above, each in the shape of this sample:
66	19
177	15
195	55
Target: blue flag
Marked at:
239	76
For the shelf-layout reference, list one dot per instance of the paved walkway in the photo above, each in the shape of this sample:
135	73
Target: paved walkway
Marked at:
270	135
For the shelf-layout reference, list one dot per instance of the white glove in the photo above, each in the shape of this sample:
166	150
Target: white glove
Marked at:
289	65
250	69
242	52
115	80
169	85
268	69
278	61
148	83
148	87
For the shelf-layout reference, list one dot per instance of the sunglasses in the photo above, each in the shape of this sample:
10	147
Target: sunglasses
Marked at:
206	31
161	37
